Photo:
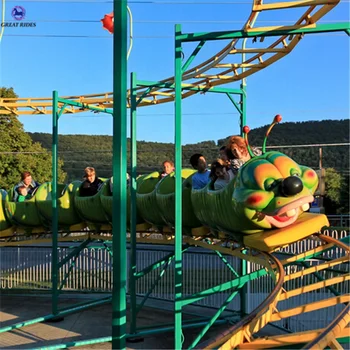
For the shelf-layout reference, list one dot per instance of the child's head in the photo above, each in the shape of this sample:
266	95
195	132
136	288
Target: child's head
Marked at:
218	169
237	148
22	190
168	167
90	174
198	162
223	154
26	178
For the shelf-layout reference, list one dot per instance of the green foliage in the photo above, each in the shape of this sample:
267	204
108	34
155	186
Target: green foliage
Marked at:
19	153
336	200
80	151
333	185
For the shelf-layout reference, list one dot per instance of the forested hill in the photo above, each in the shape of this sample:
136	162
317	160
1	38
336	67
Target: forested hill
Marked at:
79	151
303	133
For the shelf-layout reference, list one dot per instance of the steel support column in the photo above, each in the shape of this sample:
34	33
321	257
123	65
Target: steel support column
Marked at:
178	191
119	174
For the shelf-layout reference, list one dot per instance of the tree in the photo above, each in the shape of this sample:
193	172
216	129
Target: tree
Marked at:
19	153
334	185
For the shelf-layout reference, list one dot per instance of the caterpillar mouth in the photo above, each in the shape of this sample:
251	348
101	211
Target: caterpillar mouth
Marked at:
289	213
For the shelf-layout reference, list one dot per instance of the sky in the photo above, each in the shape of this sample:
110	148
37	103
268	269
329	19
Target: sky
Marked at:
68	51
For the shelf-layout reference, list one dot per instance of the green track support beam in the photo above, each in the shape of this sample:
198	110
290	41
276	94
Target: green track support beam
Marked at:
155	265
220	90
236	283
119	174
235	103
244	290
133	217
73	254
243	108
193	55
155	283
178	191
213	320
240	34
227	264
84	106
54	265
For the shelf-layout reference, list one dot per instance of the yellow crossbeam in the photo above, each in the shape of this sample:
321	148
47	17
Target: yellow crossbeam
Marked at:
317	268
252	50
292	4
287	339
315	286
311	307
241	65
307	253
271	28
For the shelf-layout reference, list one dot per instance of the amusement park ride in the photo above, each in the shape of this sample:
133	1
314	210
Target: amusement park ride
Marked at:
263	209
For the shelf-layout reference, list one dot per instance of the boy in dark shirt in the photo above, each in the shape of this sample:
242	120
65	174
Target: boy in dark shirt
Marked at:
91	185
201	178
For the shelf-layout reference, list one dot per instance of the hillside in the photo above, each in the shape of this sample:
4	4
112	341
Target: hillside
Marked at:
79	151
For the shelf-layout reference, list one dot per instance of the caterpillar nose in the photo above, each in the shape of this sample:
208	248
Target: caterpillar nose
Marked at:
291	186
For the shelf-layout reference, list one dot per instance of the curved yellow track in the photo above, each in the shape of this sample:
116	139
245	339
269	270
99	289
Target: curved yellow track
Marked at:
233	63
241	335
291	280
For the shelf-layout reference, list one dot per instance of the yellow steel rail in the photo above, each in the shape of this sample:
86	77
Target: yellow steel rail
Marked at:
224	67
242	334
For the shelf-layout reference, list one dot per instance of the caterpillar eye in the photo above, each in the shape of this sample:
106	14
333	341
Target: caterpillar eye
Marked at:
295	172
269	184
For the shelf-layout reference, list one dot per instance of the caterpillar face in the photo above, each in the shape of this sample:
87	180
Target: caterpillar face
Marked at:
272	190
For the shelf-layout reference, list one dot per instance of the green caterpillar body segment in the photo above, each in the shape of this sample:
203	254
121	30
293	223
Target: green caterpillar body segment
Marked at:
67	214
90	208
147	201
269	192
4	223
107	201
22	214
165	198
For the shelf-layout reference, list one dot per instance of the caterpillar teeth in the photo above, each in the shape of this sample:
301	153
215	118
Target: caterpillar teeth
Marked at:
305	206
291	213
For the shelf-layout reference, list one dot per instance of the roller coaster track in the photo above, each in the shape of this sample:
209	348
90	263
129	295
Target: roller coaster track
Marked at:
233	63
321	268
241	335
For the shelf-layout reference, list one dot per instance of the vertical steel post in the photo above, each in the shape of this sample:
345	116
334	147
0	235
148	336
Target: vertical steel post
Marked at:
243	115
132	265
244	290
119	174
178	192
54	263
